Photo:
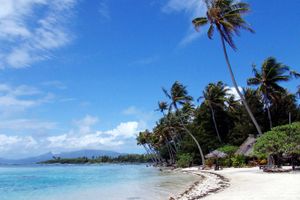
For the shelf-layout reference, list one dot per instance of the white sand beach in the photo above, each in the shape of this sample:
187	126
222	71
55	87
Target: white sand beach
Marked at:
246	184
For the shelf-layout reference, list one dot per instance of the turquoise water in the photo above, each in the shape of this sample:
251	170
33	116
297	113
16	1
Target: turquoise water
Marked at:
90	182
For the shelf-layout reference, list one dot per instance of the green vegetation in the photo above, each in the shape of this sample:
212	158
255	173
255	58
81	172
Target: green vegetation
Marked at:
172	135
280	142
129	158
184	160
186	132
226	16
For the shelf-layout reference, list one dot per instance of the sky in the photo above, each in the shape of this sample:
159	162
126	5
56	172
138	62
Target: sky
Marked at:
81	74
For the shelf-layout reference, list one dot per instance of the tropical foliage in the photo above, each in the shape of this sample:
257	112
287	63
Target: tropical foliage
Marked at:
187	131
226	16
128	158
281	140
267	80
184	128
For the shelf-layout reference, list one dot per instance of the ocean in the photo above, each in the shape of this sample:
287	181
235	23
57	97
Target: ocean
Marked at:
90	182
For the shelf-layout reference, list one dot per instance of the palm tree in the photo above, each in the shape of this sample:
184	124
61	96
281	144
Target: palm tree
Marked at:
296	75
164	128
215	95
179	97
141	140
267	79
226	17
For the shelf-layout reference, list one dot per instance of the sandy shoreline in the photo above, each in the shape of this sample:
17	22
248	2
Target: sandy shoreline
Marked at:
242	184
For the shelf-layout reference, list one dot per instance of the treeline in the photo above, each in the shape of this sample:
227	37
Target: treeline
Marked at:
128	158
189	129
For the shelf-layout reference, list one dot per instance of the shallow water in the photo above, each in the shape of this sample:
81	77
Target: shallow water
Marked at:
90	182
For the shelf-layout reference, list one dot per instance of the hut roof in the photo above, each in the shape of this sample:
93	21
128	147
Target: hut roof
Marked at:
216	154
246	148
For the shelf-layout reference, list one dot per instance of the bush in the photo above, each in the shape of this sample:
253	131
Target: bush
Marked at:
184	160
226	162
280	140
209	162
238	161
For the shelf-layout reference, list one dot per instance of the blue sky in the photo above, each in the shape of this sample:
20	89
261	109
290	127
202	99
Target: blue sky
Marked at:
79	74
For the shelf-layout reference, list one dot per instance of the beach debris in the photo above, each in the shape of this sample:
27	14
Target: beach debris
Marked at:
210	183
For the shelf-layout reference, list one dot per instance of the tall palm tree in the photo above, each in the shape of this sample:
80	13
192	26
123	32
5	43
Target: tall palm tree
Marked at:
215	95
179	97
225	16
267	79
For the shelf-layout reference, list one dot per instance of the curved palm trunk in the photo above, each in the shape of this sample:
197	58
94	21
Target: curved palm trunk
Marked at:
215	122
147	151
174	149
169	149
193	137
237	88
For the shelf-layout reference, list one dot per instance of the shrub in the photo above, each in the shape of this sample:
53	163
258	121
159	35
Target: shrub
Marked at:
209	162
238	161
184	160
280	140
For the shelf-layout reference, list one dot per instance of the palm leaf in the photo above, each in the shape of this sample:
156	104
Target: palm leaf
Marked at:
200	21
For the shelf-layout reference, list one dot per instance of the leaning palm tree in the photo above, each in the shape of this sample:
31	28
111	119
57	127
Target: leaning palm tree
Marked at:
179	97
215	96
225	16
163	129
267	79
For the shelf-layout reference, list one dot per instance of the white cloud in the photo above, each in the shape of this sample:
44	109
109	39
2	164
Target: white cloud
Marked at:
84	125
31	29
11	143
126	130
82	136
86	137
19	98
193	9
233	91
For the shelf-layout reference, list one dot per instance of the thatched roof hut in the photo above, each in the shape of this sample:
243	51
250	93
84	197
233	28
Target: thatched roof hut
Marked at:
216	154
247	147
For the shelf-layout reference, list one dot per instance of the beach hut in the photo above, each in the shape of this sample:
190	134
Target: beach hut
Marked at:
247	147
216	155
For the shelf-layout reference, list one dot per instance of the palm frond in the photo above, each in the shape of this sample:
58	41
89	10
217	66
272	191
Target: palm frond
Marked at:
210	31
200	21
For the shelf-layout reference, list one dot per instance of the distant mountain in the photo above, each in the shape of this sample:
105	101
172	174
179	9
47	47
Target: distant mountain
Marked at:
48	156
30	160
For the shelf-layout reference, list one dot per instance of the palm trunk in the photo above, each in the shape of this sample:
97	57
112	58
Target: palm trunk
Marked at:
215	123
169	127
270	117
147	151
193	137
267	104
169	149
237	88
